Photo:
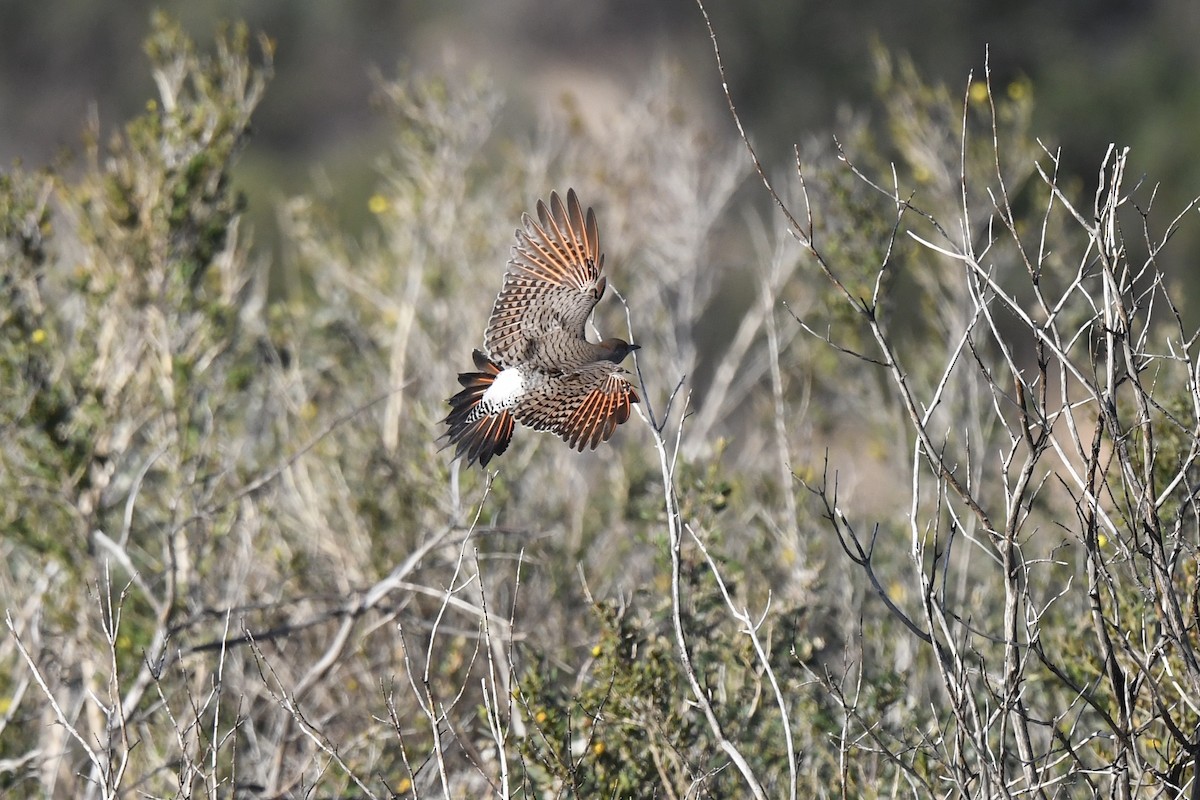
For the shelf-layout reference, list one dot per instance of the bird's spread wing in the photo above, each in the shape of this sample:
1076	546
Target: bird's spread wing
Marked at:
552	284
583	407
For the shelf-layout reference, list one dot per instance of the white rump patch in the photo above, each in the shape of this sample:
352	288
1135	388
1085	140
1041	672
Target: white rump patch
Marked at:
504	391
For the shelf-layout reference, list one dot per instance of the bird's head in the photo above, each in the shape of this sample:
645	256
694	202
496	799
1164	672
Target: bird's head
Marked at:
615	350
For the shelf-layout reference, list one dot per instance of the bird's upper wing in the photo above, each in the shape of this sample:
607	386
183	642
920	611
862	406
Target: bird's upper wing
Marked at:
552	283
583	406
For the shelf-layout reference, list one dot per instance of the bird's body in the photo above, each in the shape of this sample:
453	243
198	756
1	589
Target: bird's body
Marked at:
539	368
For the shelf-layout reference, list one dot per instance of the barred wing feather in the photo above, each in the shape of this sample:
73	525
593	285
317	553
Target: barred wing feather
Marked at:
552	283
583	407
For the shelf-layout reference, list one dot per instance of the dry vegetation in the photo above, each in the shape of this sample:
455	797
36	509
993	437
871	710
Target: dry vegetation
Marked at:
908	512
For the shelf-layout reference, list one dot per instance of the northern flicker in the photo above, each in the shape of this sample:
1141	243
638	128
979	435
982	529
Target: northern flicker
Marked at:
539	368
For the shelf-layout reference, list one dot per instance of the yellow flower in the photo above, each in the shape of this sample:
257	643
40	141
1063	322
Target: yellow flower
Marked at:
378	204
541	717
404	785
38	336
1018	90
1102	539
598	748
596	651
978	92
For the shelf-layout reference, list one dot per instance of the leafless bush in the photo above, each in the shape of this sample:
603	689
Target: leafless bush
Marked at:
1051	527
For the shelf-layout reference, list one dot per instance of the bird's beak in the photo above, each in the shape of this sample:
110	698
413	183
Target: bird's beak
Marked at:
633	347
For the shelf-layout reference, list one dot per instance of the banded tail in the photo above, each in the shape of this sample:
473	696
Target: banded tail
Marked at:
474	433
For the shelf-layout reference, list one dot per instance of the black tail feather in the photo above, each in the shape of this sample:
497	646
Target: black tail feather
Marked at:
482	438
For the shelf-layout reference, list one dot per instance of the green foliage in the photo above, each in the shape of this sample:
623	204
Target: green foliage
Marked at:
113	311
613	734
125	287
622	723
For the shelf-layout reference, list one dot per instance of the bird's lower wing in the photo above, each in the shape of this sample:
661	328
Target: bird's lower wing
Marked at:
583	408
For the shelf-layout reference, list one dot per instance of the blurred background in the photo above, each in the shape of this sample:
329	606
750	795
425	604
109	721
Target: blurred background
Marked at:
1101	70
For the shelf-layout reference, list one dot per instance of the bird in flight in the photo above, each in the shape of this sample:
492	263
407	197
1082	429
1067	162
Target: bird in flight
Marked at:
539	368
